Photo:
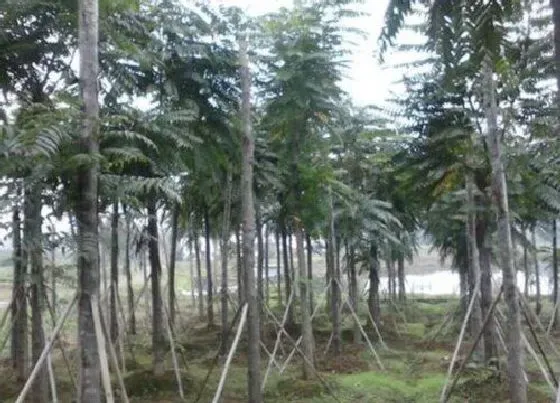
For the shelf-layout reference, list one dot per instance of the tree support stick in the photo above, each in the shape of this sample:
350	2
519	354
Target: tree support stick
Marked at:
115	362
173	355
443	397
44	354
104	363
473	347
535	356
278	338
51	379
291	355
230	355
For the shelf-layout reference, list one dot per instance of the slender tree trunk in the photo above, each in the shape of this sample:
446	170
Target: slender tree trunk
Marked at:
278	271
373	294
474	267
196	241
464	288
19	302
225	254
292	272
114	331
390	276
33	240
354	294
485	262
309	268
248	206
308	342
191	271
266	267
260	257
86	206
537	269
526	263
290	320
129	286
240	270
555	295
517	382
402	278
210	288
158	337
334	285
172	263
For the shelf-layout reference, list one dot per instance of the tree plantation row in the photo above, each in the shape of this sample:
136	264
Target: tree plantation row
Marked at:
153	127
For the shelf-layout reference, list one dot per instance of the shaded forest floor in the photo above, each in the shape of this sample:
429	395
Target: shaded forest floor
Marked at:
415	364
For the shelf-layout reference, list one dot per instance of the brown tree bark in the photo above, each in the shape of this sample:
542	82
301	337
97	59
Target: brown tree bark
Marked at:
515	367
198	263
172	263
209	282
278	270
536	268
373	292
33	237
308	343
158	335
248	207
335	292
129	286
225	254
309	251
114	324
19	299
86	207
290	320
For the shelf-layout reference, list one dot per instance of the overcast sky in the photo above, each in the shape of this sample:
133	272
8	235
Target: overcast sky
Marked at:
368	82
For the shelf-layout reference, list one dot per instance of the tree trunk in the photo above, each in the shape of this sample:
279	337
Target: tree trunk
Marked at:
290	320
402	278
526	262
373	294
484	245
86	206
225	254
308	343
391	286
474	267
515	367
191	271
335	283
266	266
240	272
114	331
129	286
292	272
537	269
196	241
278	271
555	295
260	257
210	289
309	268
248	207
19	301
33	241
354	293
158	337
464	288
172	262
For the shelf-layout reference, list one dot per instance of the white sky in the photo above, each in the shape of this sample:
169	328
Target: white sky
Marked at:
368	83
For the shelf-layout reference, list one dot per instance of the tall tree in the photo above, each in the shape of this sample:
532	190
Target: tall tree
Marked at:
249	229
86	205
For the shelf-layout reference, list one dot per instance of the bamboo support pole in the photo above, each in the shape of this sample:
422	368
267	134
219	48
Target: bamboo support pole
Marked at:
115	361
52	381
45	352
232	350
101	348
173	354
443	397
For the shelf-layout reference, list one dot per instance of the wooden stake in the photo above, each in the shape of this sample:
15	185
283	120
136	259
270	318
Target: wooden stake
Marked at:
115	360
538	361
291	355
51	379
104	363
46	350
173	355
232	350
443	397
489	314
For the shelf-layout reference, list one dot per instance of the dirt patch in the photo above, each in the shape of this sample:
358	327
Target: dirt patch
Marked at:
352	360
143	383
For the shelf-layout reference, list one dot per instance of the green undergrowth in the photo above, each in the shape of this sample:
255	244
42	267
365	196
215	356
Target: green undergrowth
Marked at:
414	366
